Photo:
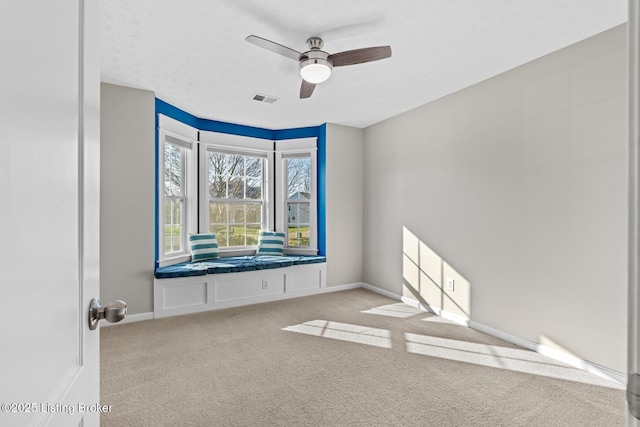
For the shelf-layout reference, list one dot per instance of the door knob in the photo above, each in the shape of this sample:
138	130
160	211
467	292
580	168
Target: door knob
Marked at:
113	312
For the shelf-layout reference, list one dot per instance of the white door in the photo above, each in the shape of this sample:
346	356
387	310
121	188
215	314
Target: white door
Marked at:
633	326
49	211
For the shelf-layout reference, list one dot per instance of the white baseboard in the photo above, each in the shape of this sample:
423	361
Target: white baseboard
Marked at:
461	320
380	291
529	345
129	318
572	360
552	353
341	287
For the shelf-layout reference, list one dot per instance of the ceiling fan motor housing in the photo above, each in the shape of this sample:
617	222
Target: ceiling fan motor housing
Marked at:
316	57
315	64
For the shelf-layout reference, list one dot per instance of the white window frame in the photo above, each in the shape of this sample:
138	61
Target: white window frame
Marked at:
196	207
245	146
296	148
167	134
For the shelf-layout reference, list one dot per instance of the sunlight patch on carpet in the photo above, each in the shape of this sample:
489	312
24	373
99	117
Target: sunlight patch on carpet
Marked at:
344	332
511	359
399	310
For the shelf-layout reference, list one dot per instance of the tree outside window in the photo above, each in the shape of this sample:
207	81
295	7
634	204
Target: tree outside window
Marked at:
235	192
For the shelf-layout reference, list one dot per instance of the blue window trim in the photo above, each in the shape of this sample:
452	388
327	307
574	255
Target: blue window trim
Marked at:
319	132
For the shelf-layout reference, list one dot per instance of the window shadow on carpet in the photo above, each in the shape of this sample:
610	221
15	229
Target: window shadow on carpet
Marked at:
487	355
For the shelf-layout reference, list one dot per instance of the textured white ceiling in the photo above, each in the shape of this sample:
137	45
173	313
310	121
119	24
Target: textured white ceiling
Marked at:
193	55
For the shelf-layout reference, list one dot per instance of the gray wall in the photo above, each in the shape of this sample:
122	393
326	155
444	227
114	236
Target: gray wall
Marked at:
344	204
516	188
127	196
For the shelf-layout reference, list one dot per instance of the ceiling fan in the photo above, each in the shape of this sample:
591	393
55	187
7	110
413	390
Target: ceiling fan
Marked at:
316	64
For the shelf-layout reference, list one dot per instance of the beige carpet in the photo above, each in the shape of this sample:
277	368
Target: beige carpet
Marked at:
351	358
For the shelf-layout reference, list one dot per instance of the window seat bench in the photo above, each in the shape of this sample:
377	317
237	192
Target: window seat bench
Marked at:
192	287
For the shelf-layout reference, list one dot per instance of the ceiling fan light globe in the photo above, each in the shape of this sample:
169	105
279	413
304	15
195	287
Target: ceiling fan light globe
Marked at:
315	73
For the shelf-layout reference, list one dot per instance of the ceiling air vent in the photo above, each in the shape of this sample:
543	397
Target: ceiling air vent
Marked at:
264	98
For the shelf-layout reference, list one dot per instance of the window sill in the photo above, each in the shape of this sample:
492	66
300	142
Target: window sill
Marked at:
174	260
300	251
248	251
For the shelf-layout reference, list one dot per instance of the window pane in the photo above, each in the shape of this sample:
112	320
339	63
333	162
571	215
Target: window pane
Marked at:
168	240
254	188
220	230
173	173
234	165
172	226
217	187
298	178
252	234
304	216
215	164
254	213
237	235
254	167
167	212
307	188
299	212
217	213
293	213
298	236
236	213
225	164
236	187
298	224
176	239
176	212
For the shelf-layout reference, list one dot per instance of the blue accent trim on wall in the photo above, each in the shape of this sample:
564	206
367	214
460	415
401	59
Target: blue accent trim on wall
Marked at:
319	132
176	113
322	190
308	132
234	129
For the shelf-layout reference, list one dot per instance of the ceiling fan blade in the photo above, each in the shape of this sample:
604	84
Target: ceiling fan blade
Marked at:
274	47
359	56
306	89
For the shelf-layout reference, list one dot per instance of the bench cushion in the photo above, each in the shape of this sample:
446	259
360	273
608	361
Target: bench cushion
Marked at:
306	259
185	269
234	265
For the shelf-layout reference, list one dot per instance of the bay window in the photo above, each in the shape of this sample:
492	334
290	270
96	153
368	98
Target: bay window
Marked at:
233	186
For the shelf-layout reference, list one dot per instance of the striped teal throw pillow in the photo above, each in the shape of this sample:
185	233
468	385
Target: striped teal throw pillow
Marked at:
270	243
203	246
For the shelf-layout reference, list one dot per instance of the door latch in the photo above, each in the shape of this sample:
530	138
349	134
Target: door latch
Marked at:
113	312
